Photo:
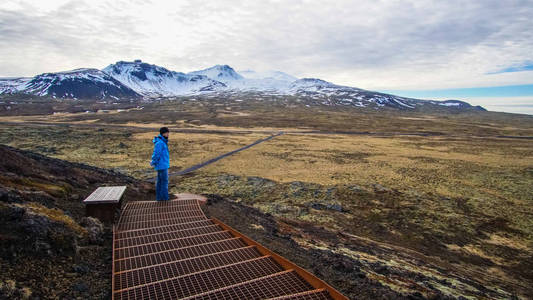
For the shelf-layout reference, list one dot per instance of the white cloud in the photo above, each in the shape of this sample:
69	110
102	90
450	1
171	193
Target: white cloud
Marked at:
368	44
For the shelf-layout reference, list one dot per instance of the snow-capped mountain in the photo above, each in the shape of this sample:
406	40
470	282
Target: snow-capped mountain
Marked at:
221	73
321	92
269	81
273	75
152	80
78	83
331	94
138	79
10	85
309	85
249	80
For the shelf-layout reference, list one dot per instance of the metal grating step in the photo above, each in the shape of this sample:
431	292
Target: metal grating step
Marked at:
318	294
155	230
184	211
198	283
177	254
172	244
182	267
142	205
165	236
282	283
162	216
158	223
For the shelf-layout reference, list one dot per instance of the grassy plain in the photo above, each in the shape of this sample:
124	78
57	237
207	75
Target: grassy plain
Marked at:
454	187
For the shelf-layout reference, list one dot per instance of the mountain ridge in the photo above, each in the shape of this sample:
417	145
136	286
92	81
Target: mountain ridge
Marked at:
141	80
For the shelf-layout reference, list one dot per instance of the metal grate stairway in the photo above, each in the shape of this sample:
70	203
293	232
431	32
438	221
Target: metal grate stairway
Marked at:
171	250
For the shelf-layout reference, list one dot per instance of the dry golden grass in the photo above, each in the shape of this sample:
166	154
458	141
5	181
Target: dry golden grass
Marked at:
132	153
427	164
493	175
186	149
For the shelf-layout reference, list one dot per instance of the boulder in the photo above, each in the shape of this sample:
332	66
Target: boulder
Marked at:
8	195
327	206
9	290
378	188
36	230
95	229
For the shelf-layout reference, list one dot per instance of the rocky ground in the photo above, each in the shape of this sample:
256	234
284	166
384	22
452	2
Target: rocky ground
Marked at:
358	267
360	240
48	249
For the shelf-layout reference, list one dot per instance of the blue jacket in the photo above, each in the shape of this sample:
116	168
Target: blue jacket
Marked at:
160	157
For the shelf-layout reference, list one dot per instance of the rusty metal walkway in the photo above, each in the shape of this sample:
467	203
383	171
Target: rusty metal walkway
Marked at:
171	250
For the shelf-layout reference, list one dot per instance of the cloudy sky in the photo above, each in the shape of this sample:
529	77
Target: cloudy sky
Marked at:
401	46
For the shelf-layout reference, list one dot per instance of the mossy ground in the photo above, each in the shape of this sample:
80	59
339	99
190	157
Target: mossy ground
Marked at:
462	194
47	248
55	215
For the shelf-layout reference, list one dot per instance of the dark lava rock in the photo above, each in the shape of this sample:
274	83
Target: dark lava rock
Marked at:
28	232
345	264
95	229
47	150
330	192
384	270
40	202
328	206
378	188
416	296
260	182
355	188
213	198
80	286
11	213
297	188
9	290
82	269
7	195
226	179
39	196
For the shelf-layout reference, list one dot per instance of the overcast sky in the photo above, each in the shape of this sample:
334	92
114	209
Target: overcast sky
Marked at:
380	45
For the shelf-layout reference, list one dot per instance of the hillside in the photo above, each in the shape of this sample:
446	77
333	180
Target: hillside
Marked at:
48	249
75	84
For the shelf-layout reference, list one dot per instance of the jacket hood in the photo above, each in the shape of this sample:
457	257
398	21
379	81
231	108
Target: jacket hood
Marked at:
159	137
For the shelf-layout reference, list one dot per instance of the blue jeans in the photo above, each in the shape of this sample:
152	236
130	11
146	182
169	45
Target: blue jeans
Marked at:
161	186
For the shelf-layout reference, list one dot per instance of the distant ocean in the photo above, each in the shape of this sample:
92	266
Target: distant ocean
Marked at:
513	99
517	105
517	109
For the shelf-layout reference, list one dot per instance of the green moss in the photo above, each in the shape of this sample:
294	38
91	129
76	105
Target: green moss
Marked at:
56	215
52	189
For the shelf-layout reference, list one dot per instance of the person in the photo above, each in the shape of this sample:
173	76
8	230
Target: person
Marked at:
161	163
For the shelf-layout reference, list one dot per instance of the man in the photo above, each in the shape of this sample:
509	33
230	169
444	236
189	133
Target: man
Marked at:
160	161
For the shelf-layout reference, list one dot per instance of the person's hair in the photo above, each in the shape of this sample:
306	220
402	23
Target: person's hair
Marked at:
163	130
